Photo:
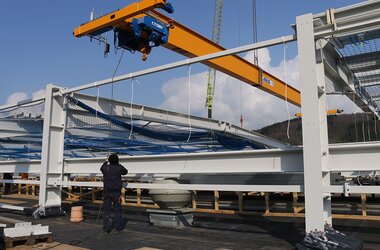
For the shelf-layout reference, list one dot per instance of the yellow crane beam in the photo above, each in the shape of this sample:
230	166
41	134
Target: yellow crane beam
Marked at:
191	44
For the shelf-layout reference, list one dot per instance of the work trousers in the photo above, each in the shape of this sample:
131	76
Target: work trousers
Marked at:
112	199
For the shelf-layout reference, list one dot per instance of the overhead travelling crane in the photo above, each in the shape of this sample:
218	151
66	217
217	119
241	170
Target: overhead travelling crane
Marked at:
139	27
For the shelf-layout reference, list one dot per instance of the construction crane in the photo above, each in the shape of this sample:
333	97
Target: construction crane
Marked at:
139	27
218	10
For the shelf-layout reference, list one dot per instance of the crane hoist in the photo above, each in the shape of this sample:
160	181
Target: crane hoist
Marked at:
139	27
138	34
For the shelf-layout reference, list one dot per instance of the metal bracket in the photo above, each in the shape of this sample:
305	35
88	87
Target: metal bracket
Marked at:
260	80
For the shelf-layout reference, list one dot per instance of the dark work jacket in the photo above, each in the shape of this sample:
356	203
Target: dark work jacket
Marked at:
112	177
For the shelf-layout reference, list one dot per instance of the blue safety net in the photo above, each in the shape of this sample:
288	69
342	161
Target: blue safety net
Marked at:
91	133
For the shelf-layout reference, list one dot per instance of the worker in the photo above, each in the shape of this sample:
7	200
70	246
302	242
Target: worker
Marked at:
112	184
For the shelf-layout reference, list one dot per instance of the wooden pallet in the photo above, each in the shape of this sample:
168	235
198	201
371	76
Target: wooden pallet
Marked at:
28	240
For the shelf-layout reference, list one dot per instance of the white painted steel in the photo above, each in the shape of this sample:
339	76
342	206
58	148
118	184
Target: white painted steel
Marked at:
33	182
355	157
236	188
39	229
266	160
204	187
32	166
23	103
314	127
12	207
20	229
119	108
351	19
52	148
343	158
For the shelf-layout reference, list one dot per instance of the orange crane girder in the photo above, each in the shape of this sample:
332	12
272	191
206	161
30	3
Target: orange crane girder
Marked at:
191	44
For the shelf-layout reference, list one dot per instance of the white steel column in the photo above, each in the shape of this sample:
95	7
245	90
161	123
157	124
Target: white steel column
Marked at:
314	127
52	148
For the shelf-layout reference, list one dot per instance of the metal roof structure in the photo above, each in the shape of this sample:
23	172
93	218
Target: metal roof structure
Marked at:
360	53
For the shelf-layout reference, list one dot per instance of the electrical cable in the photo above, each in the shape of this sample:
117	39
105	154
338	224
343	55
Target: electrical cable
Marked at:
368	128
356	129
100	209
189	106
97	102
131	110
363	131
254	24
286	91
114	73
375	122
112	89
240	85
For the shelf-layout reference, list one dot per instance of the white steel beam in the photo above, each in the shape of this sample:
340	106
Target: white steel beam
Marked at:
236	188
250	161
203	187
314	127
343	158
21	181
52	148
124	109
24	103
352	19
31	166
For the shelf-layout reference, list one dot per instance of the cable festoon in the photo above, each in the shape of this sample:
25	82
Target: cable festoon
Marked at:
131	110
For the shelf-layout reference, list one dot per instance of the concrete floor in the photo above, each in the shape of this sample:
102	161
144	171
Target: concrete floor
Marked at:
210	231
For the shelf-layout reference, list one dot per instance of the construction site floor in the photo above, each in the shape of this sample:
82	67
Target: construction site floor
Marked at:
210	231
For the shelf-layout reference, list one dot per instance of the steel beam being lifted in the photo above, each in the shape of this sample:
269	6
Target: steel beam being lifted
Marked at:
163	116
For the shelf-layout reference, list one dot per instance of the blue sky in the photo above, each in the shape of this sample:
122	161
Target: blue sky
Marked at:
37	45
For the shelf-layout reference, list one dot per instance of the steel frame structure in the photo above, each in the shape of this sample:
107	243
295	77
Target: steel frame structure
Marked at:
319	75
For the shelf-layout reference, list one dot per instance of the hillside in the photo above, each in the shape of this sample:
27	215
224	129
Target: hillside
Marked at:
342	128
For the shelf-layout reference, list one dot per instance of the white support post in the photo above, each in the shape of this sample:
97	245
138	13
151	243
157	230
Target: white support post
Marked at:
52	148
314	126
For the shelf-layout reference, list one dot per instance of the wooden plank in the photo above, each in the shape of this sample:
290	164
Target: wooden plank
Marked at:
28	240
194	200
295	202
267	203
138	196
216	200
364	208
